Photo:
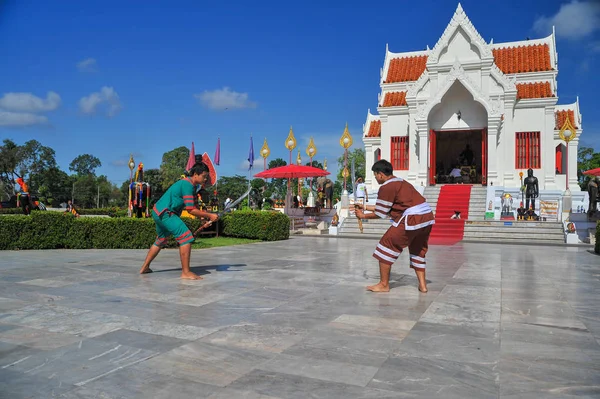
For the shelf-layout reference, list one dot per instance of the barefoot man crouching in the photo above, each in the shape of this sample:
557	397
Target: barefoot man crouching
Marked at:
412	222
166	214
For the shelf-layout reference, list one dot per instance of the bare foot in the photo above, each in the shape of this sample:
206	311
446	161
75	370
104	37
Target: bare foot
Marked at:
423	289
379	288
191	276
145	270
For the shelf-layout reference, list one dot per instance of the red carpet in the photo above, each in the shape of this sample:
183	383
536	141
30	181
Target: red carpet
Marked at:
452	198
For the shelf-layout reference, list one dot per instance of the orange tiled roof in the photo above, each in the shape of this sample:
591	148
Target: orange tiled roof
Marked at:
374	129
534	90
406	69
395	99
560	117
533	58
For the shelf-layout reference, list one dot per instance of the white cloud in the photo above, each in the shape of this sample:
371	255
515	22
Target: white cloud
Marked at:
16	119
87	65
573	20
107	98
595	47
27	102
256	168
224	98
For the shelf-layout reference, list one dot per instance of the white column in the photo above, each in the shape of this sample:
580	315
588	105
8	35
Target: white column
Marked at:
572	166
548	151
423	137
369	161
492	160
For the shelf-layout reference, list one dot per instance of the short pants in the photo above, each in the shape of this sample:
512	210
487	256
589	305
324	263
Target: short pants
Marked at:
171	225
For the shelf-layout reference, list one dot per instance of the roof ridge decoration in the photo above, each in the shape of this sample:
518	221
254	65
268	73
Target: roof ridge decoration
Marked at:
418	85
493	107
460	19
509	83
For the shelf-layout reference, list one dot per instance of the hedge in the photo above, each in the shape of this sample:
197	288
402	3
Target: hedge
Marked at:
262	225
112	212
51	230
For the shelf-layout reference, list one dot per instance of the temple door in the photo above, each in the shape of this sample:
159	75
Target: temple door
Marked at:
484	156
432	157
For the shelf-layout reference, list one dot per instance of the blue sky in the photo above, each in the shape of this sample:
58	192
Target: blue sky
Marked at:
146	77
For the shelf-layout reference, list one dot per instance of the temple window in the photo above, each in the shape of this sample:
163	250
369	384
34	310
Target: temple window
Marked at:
528	151
399	156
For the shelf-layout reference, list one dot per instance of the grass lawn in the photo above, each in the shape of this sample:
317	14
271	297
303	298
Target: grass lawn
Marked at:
213	242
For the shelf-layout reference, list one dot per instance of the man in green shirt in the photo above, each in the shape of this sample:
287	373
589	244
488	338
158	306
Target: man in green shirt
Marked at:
166	214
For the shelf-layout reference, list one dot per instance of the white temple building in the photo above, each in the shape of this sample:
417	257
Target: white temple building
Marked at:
500	99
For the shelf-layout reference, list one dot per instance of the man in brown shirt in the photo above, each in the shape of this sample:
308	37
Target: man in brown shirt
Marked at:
412	222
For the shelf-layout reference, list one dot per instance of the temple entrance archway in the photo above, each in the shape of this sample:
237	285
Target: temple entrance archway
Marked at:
458	138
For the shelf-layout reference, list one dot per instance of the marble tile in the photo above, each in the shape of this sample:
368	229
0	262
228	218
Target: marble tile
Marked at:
142	340
130	383
257	337
205	363
499	320
288	386
35	338
436	377
346	373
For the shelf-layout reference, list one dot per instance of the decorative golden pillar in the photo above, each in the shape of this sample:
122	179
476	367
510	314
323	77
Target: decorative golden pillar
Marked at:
264	152
290	144
567	133
346	142
131	165
311	151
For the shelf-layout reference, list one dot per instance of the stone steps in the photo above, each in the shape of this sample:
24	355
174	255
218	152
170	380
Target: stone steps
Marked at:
507	231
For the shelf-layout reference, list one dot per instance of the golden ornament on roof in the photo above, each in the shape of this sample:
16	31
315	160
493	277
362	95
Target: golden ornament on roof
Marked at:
265	151
311	150
567	131
299	160
290	142
346	139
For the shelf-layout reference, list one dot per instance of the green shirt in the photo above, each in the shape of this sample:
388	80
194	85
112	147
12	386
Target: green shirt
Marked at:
179	196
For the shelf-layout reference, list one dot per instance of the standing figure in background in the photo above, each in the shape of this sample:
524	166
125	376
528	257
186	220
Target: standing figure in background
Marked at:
23	199
531	189
361	191
593	195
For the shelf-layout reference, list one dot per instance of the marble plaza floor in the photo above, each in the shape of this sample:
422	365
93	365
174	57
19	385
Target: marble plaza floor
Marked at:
292	320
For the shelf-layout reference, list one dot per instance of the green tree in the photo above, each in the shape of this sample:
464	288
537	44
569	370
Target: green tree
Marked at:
153	178
232	187
28	161
85	191
587	159
85	164
56	187
173	166
358	155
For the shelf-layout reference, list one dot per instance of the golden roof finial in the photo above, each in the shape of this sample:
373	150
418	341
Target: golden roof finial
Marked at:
311	150
290	142
346	139
567	127
265	151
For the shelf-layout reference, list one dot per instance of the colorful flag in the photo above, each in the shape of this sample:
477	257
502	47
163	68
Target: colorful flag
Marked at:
218	152
251	154
191	159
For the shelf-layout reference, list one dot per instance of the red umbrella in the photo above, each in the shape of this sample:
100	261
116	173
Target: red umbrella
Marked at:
593	172
291	172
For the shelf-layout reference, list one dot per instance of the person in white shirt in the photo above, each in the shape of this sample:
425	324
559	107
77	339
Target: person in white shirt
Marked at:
455	174
361	190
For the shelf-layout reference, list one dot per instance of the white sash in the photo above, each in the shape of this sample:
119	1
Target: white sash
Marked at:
421	209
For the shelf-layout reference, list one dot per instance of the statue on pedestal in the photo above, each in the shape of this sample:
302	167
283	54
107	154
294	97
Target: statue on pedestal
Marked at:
506	203
593	195
531	189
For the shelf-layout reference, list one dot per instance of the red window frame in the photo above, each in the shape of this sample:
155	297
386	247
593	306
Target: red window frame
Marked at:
528	150
399	152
